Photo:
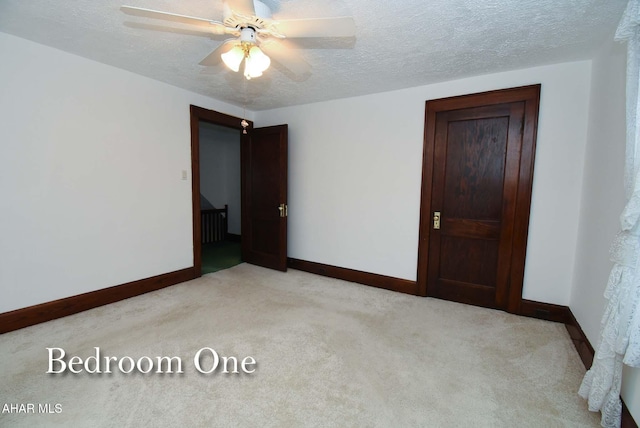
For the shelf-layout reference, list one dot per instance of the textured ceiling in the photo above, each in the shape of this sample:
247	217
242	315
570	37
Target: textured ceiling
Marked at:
398	44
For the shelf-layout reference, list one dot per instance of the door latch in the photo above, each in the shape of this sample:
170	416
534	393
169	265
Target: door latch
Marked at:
283	210
436	220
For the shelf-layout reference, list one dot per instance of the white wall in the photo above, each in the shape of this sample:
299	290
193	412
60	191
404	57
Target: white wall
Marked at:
101	149
220	170
602	202
603	191
90	175
355	175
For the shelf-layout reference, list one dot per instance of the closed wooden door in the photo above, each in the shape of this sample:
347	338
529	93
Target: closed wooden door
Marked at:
264	197
476	194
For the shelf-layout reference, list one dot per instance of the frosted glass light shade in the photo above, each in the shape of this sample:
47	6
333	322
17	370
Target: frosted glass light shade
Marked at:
249	72
233	58
258	59
256	63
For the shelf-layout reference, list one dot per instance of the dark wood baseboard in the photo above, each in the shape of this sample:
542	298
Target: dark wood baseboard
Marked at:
20	318
545	311
380	281
580	341
233	237
586	352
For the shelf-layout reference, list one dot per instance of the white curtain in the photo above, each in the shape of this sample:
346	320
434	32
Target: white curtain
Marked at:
620	331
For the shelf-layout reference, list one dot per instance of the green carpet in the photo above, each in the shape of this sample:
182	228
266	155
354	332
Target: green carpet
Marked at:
220	255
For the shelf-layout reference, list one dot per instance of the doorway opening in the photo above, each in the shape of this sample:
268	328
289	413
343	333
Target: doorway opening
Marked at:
263	210
220	197
216	140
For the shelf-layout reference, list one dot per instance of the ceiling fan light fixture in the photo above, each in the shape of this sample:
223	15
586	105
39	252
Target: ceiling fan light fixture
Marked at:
234	57
255	61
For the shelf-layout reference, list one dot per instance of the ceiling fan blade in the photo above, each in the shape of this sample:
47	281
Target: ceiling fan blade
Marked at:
241	7
215	27
201	31
214	57
343	26
290	59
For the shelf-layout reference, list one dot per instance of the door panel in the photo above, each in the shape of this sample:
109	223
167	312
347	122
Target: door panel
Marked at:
473	155
475	158
481	258
264	182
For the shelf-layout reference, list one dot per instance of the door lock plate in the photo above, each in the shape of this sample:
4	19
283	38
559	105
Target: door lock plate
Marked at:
436	220
283	210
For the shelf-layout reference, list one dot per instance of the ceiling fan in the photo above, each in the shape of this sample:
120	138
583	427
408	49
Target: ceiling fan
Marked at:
257	37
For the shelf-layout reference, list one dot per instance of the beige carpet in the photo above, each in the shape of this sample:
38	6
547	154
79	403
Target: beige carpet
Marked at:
329	353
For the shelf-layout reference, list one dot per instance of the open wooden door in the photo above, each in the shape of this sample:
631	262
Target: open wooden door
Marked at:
264	197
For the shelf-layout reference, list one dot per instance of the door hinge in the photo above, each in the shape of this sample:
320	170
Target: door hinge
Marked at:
283	210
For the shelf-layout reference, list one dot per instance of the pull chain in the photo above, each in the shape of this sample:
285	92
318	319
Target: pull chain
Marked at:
244	122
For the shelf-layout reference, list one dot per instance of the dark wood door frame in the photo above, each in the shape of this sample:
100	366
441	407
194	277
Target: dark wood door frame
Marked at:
201	114
530	95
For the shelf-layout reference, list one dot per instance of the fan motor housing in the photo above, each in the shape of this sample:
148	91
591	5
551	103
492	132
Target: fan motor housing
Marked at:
248	34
